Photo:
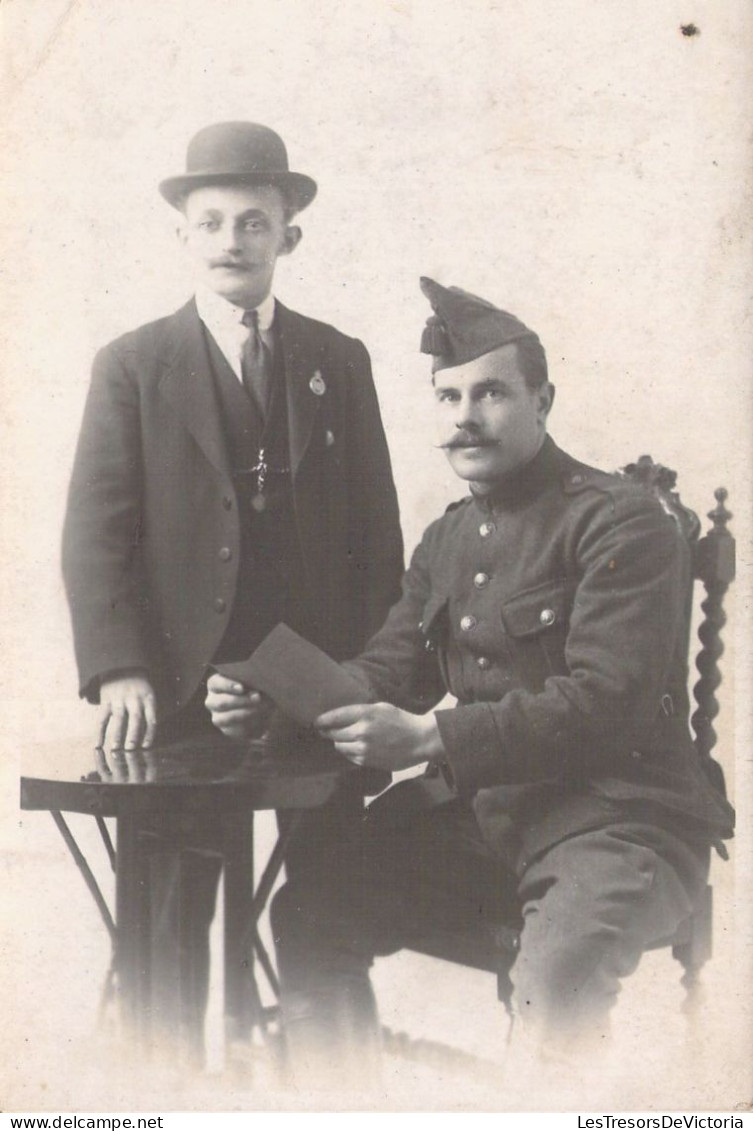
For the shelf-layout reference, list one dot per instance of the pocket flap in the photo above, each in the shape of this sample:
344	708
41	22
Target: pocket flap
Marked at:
538	610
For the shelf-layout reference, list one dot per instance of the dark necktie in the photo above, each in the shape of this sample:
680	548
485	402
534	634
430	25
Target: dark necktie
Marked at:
256	362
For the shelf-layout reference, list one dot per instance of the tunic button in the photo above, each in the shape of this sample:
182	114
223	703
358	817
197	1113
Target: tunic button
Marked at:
480	580
219	605
484	663
225	554
636	755
227	503
577	479
486	528
467	623
547	616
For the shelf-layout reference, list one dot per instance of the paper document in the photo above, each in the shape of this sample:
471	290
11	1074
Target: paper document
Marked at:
302	680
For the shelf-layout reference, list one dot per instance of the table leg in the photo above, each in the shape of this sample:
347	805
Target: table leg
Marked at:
85	870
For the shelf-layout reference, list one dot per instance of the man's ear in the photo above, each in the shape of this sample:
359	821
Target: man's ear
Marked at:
546	399
291	239
181	232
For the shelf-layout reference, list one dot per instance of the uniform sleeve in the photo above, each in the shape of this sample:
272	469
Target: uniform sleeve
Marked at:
102	529
627	624
397	665
377	544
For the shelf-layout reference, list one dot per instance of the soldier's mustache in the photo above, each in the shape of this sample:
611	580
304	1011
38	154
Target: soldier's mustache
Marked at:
465	440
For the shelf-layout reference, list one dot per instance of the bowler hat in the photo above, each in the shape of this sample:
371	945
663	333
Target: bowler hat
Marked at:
232	152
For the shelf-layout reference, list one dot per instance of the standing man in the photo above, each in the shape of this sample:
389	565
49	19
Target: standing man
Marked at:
231	472
563	798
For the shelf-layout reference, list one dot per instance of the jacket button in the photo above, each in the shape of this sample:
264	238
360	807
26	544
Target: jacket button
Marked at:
483	662
636	755
547	616
219	605
577	479
225	554
480	580
486	528
467	623
227	502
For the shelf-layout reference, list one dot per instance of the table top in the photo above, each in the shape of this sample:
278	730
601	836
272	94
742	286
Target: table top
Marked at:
212	774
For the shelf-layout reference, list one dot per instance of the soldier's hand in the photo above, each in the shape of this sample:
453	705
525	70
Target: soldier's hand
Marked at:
128	711
236	710
381	736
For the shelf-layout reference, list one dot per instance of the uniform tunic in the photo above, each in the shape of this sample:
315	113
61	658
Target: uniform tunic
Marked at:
555	611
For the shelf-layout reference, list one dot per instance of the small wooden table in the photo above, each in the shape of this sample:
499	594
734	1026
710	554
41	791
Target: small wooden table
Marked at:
223	781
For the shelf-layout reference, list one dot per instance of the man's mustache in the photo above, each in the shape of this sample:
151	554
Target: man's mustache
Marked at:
464	440
226	261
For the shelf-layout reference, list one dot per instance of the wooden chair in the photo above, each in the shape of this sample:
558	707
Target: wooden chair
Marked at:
714	567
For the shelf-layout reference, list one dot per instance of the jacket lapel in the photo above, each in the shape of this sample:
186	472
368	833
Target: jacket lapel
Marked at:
188	384
303	356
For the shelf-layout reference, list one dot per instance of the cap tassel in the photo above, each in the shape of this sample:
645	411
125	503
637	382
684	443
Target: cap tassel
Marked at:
434	339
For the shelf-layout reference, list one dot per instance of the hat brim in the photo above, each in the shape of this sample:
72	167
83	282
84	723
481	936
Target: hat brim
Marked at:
299	190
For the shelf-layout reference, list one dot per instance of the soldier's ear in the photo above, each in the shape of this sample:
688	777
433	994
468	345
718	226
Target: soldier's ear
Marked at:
546	399
291	239
181	231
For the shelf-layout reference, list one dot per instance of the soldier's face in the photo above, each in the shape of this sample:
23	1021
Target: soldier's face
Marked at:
489	421
233	235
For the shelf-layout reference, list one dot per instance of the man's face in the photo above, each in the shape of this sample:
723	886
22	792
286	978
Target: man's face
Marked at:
233	235
489	421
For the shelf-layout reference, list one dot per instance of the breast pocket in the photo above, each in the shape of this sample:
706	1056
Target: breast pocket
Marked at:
536	623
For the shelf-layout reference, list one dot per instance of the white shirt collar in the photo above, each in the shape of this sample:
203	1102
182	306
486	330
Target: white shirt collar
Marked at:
217	313
224	322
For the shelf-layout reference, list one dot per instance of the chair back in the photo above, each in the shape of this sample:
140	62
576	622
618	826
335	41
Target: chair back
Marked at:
713	557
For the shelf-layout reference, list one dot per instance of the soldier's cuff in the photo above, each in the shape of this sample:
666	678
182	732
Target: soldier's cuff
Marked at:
471	741
370	693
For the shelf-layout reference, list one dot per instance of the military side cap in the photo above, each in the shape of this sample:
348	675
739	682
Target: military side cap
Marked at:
239	153
464	326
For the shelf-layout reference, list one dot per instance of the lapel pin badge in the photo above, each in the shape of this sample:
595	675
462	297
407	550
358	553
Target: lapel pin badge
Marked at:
317	385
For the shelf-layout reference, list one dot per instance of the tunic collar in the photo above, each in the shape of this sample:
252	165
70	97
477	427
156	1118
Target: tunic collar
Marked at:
523	484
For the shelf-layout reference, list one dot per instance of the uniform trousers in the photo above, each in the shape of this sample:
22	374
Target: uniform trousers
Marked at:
579	916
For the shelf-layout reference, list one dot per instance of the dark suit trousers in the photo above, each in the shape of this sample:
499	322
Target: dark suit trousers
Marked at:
185	867
584	911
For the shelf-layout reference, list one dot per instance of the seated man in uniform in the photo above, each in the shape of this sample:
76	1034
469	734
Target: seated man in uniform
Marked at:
563	797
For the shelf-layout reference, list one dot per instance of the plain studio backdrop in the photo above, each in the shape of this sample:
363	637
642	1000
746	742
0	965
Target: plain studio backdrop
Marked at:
584	165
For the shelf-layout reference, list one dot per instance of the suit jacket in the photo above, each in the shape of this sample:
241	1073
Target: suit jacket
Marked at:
151	537
555	612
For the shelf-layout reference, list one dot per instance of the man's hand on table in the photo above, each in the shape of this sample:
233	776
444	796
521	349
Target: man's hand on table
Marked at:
128	712
382	737
236	710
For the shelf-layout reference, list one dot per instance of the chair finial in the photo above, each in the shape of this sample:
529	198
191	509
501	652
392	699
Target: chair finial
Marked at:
720	516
